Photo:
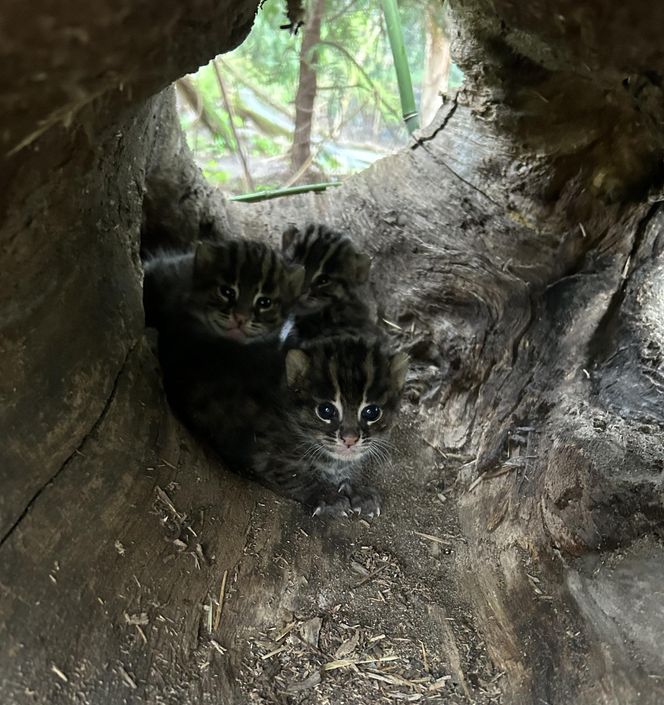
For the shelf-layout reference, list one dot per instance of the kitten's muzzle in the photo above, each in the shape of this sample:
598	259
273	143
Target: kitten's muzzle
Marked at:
349	439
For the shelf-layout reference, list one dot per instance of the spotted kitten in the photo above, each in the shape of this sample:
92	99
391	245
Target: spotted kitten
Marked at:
342	396
305	423
237	289
335	294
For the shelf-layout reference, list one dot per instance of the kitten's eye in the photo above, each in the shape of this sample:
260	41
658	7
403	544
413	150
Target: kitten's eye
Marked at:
321	280
371	413
264	302
326	411
227	292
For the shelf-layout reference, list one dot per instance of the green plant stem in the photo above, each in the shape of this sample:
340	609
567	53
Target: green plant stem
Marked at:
279	192
393	22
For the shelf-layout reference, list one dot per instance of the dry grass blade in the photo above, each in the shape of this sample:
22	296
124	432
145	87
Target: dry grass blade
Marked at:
346	662
216	645
436	448
285	631
220	606
167	501
371	575
430	537
127	678
59	673
273	653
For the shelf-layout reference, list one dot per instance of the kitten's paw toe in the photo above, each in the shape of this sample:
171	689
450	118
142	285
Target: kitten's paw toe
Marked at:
335	509
365	502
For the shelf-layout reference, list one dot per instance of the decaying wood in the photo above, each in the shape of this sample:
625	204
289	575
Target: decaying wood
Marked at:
516	248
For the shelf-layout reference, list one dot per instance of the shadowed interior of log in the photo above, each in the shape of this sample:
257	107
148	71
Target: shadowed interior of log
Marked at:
516	247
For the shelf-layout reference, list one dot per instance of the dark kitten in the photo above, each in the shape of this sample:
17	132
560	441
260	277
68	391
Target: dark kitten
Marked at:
335	296
236	289
306	426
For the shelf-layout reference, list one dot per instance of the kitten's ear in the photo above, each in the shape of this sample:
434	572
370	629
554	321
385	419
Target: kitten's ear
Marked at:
297	366
288	237
293	281
398	370
362	267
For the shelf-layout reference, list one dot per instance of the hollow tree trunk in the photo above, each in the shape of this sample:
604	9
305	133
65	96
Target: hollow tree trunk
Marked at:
517	247
306	88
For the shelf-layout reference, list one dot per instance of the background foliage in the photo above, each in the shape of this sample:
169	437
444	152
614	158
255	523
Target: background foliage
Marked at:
357	115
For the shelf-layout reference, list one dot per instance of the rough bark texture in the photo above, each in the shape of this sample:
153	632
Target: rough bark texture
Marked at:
517	246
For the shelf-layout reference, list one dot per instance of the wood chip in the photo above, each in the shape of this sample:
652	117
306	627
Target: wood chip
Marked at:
348	646
138	618
439	683
408	697
310	682
310	631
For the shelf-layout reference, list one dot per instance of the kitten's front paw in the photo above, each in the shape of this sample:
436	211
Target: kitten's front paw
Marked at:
335	508
364	501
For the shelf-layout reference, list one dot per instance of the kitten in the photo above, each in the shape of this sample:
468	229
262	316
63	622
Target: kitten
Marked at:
218	310
341	397
335	293
236	289
303	422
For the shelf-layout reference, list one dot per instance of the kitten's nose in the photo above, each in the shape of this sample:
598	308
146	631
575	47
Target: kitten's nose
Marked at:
240	319
350	439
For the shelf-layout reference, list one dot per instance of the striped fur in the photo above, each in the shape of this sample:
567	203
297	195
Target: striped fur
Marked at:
237	288
335	297
259	408
305	456
294	418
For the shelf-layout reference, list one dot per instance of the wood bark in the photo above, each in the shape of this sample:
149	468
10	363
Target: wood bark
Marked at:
516	247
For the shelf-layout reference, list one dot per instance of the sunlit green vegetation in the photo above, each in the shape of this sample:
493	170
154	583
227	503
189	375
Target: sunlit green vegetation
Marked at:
357	115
